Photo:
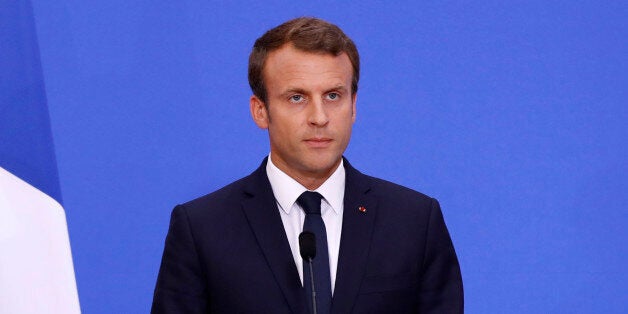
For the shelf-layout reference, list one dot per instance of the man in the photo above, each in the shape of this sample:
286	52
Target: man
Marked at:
380	247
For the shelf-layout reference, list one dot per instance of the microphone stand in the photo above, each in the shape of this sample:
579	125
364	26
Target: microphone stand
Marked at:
312	284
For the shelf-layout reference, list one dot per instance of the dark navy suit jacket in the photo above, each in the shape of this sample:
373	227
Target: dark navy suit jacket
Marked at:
227	252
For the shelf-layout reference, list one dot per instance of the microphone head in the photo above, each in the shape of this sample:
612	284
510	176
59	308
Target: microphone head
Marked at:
307	245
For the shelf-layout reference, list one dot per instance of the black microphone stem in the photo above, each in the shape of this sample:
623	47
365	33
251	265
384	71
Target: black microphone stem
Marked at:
312	283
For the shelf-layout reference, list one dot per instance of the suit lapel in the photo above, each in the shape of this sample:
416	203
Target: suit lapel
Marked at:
262	213
357	227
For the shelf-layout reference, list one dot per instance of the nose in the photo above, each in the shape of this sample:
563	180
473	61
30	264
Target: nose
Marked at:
318	115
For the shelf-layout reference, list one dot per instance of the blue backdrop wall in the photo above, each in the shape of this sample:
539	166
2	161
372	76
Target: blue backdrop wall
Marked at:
512	114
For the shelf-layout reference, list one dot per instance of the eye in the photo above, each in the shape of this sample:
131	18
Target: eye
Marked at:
333	96
296	98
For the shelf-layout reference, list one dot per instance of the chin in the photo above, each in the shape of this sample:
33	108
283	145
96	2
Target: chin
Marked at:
323	164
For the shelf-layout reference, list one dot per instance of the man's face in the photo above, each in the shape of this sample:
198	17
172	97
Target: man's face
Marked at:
310	111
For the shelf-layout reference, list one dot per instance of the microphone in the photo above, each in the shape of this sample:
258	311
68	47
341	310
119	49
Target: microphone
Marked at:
307	248
307	245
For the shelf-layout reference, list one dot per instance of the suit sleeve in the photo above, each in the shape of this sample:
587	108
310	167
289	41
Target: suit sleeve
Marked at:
181	283
441	282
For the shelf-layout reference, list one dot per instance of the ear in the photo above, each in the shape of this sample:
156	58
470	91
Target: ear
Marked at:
354	98
259	112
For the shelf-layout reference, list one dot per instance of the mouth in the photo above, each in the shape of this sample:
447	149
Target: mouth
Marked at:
318	142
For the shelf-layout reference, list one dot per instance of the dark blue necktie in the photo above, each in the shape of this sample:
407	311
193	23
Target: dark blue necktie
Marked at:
311	204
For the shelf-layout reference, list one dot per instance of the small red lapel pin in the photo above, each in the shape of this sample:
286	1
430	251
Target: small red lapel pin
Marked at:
362	209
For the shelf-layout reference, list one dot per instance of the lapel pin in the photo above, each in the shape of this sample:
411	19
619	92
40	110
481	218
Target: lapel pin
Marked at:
362	209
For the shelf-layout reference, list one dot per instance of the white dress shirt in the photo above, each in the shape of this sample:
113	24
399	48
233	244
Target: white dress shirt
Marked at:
287	190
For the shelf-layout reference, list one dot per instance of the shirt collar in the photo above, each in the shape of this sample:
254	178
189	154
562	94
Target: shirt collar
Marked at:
287	190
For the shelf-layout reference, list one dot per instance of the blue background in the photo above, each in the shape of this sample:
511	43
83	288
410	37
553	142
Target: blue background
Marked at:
512	113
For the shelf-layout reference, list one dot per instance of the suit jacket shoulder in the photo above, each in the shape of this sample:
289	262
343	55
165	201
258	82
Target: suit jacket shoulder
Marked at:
226	252
398	251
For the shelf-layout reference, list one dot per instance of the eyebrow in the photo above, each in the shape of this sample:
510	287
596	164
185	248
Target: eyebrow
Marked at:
293	90
340	88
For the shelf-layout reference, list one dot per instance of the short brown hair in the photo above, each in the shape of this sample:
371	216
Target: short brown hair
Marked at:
307	34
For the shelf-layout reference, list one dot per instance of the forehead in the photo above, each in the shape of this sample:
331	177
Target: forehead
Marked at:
288	66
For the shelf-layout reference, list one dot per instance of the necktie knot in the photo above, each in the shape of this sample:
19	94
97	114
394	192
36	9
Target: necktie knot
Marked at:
310	202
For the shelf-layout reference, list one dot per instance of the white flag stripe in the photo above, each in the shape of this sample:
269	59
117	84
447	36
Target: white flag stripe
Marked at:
36	267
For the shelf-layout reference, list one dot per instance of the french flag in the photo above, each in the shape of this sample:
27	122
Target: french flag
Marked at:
36	270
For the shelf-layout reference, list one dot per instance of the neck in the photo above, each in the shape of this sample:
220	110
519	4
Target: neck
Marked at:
308	179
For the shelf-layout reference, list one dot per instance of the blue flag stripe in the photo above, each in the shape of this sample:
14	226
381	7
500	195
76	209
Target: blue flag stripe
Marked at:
26	144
